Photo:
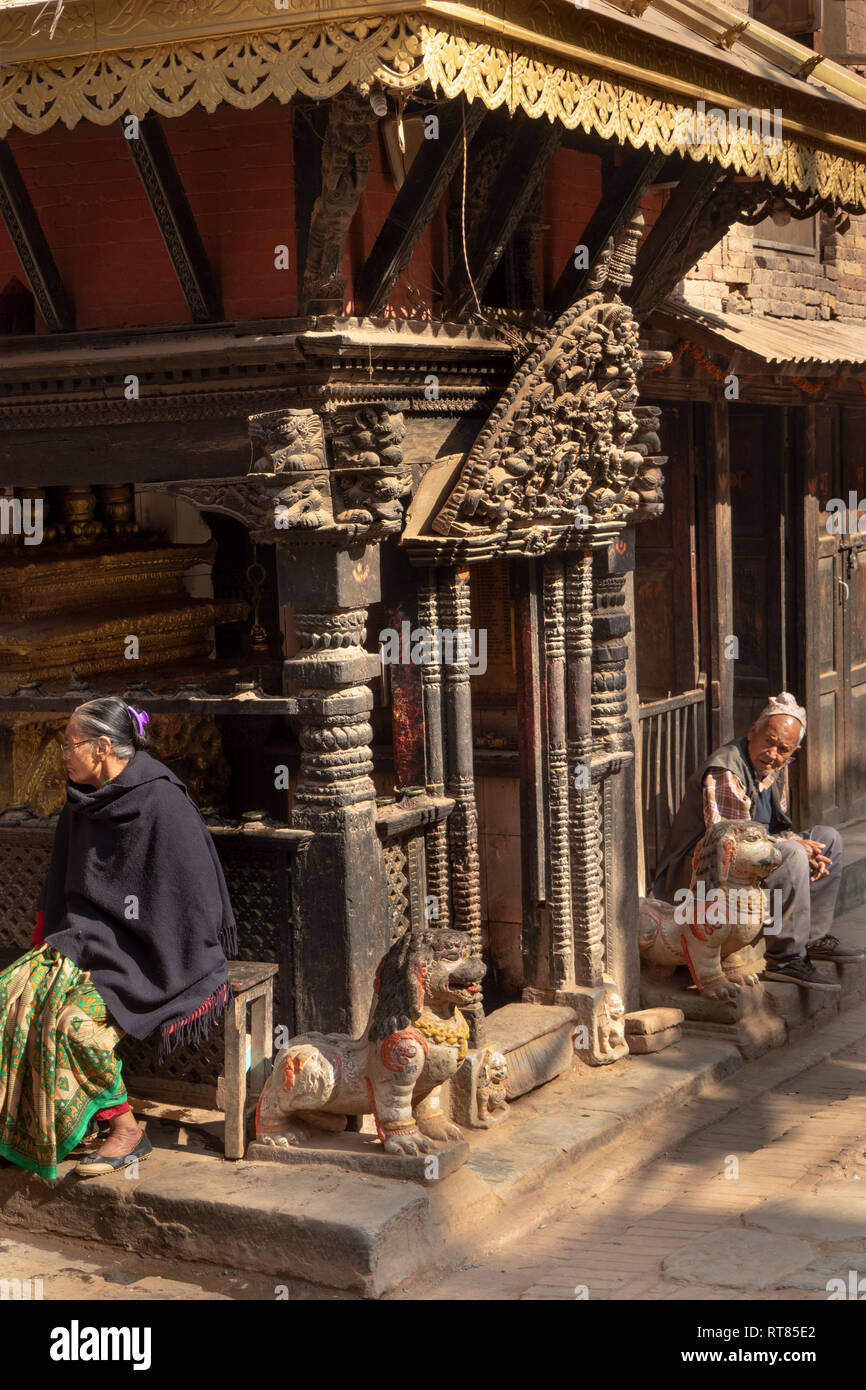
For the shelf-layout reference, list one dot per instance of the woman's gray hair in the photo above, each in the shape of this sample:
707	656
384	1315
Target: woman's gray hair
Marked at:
109	717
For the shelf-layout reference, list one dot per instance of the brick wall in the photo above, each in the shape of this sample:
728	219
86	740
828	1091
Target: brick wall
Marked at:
572	188
739	277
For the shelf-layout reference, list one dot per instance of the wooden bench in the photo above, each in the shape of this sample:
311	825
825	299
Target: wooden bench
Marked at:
234	1091
236	1058
253	988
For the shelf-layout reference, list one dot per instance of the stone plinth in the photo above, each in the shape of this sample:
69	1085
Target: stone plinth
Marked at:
749	1021
362	1153
536	1040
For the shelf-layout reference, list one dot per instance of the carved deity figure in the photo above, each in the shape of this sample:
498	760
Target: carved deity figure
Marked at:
492	1093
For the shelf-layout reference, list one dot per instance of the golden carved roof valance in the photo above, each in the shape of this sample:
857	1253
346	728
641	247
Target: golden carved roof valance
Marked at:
598	69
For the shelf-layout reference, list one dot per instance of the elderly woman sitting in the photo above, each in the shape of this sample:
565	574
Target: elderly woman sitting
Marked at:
132	936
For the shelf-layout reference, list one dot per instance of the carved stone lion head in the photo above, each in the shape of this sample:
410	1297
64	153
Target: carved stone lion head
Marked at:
435	966
734	851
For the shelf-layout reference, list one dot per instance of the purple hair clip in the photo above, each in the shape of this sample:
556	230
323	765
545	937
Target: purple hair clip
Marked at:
141	717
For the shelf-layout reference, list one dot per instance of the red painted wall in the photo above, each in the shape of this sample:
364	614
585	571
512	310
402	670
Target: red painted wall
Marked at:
236	167
572	189
415	292
99	226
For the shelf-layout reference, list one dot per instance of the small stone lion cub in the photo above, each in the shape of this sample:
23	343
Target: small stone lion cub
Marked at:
723	910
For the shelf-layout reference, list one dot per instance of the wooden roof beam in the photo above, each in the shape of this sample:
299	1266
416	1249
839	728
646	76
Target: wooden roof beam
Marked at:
623	188
531	148
168	202
34	253
415	204
659	260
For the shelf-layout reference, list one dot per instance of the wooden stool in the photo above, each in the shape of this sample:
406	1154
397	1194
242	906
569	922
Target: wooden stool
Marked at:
252	984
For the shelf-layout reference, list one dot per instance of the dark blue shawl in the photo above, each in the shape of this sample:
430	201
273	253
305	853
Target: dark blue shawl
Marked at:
135	895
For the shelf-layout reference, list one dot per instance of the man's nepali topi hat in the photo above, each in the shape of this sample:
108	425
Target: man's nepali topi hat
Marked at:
785	704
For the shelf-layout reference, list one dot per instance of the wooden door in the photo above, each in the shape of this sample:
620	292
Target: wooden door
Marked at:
758	545
822	624
851	590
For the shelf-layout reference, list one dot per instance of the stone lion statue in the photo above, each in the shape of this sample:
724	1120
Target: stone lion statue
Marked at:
416	1039
723	911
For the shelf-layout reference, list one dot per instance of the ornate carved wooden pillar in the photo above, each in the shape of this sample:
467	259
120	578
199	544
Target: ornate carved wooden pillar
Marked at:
536	943
566	462
610	721
613	733
431	685
587	876
326	487
342	928
558	773
455	617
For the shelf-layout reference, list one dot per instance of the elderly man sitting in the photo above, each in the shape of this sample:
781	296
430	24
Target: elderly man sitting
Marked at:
746	780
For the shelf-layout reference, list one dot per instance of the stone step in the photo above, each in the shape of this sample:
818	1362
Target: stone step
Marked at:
320	1231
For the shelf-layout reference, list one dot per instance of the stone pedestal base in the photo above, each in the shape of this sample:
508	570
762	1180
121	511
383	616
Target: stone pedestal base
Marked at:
599	1038
749	1021
363	1153
463	1094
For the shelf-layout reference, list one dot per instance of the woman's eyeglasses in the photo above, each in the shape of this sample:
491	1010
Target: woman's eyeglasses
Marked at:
68	747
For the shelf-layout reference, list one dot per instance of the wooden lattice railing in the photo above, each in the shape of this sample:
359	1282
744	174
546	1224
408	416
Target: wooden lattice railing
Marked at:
404	827
673	740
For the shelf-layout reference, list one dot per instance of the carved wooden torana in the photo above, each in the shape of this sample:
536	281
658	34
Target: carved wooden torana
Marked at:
568	459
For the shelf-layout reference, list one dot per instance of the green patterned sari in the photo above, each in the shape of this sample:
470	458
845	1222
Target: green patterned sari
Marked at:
57	1059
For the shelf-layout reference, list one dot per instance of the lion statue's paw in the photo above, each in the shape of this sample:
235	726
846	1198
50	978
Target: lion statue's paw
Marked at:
440	1129
411	1142
279	1141
727	990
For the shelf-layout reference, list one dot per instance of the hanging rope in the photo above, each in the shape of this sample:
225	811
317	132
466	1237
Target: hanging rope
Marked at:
463	211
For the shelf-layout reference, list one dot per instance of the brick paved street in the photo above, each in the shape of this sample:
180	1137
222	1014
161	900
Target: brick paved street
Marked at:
768	1203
